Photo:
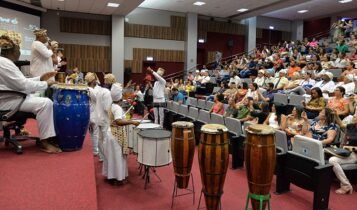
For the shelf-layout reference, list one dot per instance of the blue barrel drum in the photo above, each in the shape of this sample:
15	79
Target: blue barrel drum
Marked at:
71	115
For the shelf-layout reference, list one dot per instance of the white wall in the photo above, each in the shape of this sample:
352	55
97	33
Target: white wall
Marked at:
279	24
150	17
50	21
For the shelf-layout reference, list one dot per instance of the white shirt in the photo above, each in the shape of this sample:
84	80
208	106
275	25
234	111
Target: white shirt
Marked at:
104	101
159	88
340	63
308	82
41	59
93	101
140	95
236	80
329	87
260	81
118	112
205	80
349	87
11	78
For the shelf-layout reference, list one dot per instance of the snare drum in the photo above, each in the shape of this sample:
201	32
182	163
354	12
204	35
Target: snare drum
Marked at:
140	128
130	131
154	147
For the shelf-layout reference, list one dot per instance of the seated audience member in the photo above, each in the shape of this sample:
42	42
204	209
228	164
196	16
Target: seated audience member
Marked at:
316	104
281	81
253	92
269	94
260	115
218	107
341	62
326	84
177	96
338	103
307	82
244	108
11	78
190	77
348	84
349	70
205	78
352	107
231	91
189	87
324	129
294	83
231	110
235	79
309	68
293	68
295	124
241	92
342	47
261	80
197	79
272	119
350	131
326	63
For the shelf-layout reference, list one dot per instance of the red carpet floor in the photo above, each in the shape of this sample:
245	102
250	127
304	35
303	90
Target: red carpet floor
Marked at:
36	180
157	196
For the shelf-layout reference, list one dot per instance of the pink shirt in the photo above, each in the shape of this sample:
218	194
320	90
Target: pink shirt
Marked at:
216	109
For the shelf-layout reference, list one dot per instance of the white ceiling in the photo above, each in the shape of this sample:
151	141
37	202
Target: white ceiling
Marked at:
214	8
317	8
91	6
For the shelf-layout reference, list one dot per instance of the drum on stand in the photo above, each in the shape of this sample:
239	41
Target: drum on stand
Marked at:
71	115
182	151
213	158
61	77
139	128
260	162
130	131
153	150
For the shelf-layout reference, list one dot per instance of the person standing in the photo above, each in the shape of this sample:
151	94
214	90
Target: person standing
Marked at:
159	95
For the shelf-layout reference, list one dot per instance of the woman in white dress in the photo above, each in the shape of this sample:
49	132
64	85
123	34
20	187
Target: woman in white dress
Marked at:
116	149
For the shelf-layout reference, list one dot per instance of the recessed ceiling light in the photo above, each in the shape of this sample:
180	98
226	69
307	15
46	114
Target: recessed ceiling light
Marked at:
344	1
110	4
271	27
303	11
60	0
242	10
150	58
201	41
199	3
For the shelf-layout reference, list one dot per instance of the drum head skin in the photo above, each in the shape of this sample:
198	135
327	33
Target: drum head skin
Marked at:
214	128
261	129
147	126
155	134
182	124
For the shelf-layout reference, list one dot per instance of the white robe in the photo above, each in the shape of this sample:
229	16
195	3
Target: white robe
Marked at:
41	59
93	127
115	163
11	78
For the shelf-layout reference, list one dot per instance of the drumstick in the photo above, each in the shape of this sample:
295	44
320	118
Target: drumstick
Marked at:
130	108
144	117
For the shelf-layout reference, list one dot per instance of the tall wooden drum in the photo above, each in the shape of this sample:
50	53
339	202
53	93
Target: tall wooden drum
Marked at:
260	162
213	160
182	150
61	77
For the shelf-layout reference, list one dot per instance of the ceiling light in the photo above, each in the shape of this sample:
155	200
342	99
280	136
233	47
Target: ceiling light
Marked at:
113	4
199	3
271	27
60	0
242	10
303	11
150	58
344	1
201	41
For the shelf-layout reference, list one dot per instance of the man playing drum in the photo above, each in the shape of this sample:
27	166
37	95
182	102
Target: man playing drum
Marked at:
11	78
159	95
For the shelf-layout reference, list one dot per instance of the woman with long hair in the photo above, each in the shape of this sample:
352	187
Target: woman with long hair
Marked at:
316	104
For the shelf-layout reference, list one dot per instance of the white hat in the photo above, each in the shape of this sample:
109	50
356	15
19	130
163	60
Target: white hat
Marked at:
329	74
116	92
261	71
283	71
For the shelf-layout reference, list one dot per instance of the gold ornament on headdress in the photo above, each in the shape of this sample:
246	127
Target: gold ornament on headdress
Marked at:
109	78
10	39
90	77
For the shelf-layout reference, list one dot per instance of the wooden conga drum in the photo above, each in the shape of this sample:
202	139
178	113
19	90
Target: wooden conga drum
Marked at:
213	159
182	151
260	161
61	77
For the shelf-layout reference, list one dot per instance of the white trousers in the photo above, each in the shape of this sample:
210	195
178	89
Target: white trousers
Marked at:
41	107
337	162
159	112
103	135
94	134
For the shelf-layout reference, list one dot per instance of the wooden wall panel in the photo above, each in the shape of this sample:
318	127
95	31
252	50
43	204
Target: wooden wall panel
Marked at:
259	33
221	27
88	58
85	26
178	22
211	56
286	36
135	65
154	32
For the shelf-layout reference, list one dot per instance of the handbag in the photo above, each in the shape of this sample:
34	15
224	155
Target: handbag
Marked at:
338	152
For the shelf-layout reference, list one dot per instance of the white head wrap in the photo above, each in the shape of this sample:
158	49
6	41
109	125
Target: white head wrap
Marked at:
329	74
283	71
116	92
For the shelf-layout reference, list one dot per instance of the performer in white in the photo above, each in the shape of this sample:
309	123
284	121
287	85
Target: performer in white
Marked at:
159	95
11	78
91	80
116	149
41	54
